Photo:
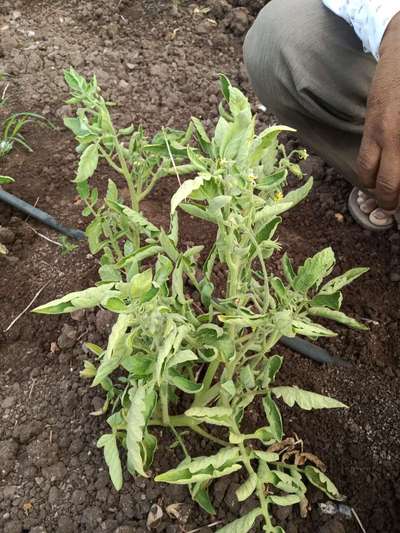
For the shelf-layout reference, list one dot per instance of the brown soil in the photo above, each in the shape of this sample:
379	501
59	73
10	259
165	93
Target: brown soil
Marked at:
52	477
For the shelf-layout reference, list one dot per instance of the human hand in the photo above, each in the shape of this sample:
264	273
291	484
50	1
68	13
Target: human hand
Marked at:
379	156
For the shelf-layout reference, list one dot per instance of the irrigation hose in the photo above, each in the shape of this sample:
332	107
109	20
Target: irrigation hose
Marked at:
316	353
40	215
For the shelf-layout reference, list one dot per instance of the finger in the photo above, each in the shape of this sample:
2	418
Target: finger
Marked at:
368	162
388	181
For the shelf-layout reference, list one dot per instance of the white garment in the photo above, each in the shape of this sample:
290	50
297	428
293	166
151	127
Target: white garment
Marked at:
369	18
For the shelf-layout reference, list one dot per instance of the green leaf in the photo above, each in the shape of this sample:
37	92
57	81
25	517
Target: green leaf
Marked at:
4	180
200	495
298	195
177	283
247	377
285	482
284	501
138	220
183	383
267	457
272	181
269	212
181	357
279	289
93	232
337	316
218	416
111	456
141	283
225	85
201	135
97	350
274	417
138	366
305	399
271	369
288	269
242	524
336	284
265	435
198	212
264	142
88	163
322	482
164	267
314	270
333	301
109	273
247	488
229	387
107	366
149	446
198	161
112	191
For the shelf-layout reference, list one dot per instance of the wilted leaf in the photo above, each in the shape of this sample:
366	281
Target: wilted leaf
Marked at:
284	501
322	482
314	270
111	456
88	163
218	416
336	284
202	469
305	399
186	189
274	417
242	524
337	316
247	488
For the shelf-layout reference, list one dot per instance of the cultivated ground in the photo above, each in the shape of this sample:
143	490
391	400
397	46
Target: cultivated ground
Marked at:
161	66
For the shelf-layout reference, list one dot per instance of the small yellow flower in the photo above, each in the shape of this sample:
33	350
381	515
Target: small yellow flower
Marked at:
278	196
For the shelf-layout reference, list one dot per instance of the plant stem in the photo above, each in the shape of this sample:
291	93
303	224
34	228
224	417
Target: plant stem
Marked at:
260	485
208	436
184	421
208	379
164	404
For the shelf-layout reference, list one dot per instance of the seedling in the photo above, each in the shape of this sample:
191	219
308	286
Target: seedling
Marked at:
11	132
176	335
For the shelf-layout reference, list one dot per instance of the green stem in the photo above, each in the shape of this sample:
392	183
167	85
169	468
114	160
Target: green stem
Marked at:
208	379
259	486
164	405
182	169
184	421
208	436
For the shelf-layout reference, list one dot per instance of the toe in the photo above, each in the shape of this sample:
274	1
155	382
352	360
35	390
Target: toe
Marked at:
368	206
380	217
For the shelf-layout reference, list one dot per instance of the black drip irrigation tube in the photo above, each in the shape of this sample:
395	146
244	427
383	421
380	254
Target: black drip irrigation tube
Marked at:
40	215
316	353
301	346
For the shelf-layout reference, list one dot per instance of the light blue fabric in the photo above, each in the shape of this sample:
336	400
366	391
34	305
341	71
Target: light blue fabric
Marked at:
369	18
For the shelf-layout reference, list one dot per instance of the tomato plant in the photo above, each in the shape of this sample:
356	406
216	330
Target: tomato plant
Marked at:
218	348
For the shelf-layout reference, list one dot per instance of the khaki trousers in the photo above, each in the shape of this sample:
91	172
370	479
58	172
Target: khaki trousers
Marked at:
308	67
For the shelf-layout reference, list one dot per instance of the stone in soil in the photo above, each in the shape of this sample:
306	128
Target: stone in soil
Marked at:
7	236
68	336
